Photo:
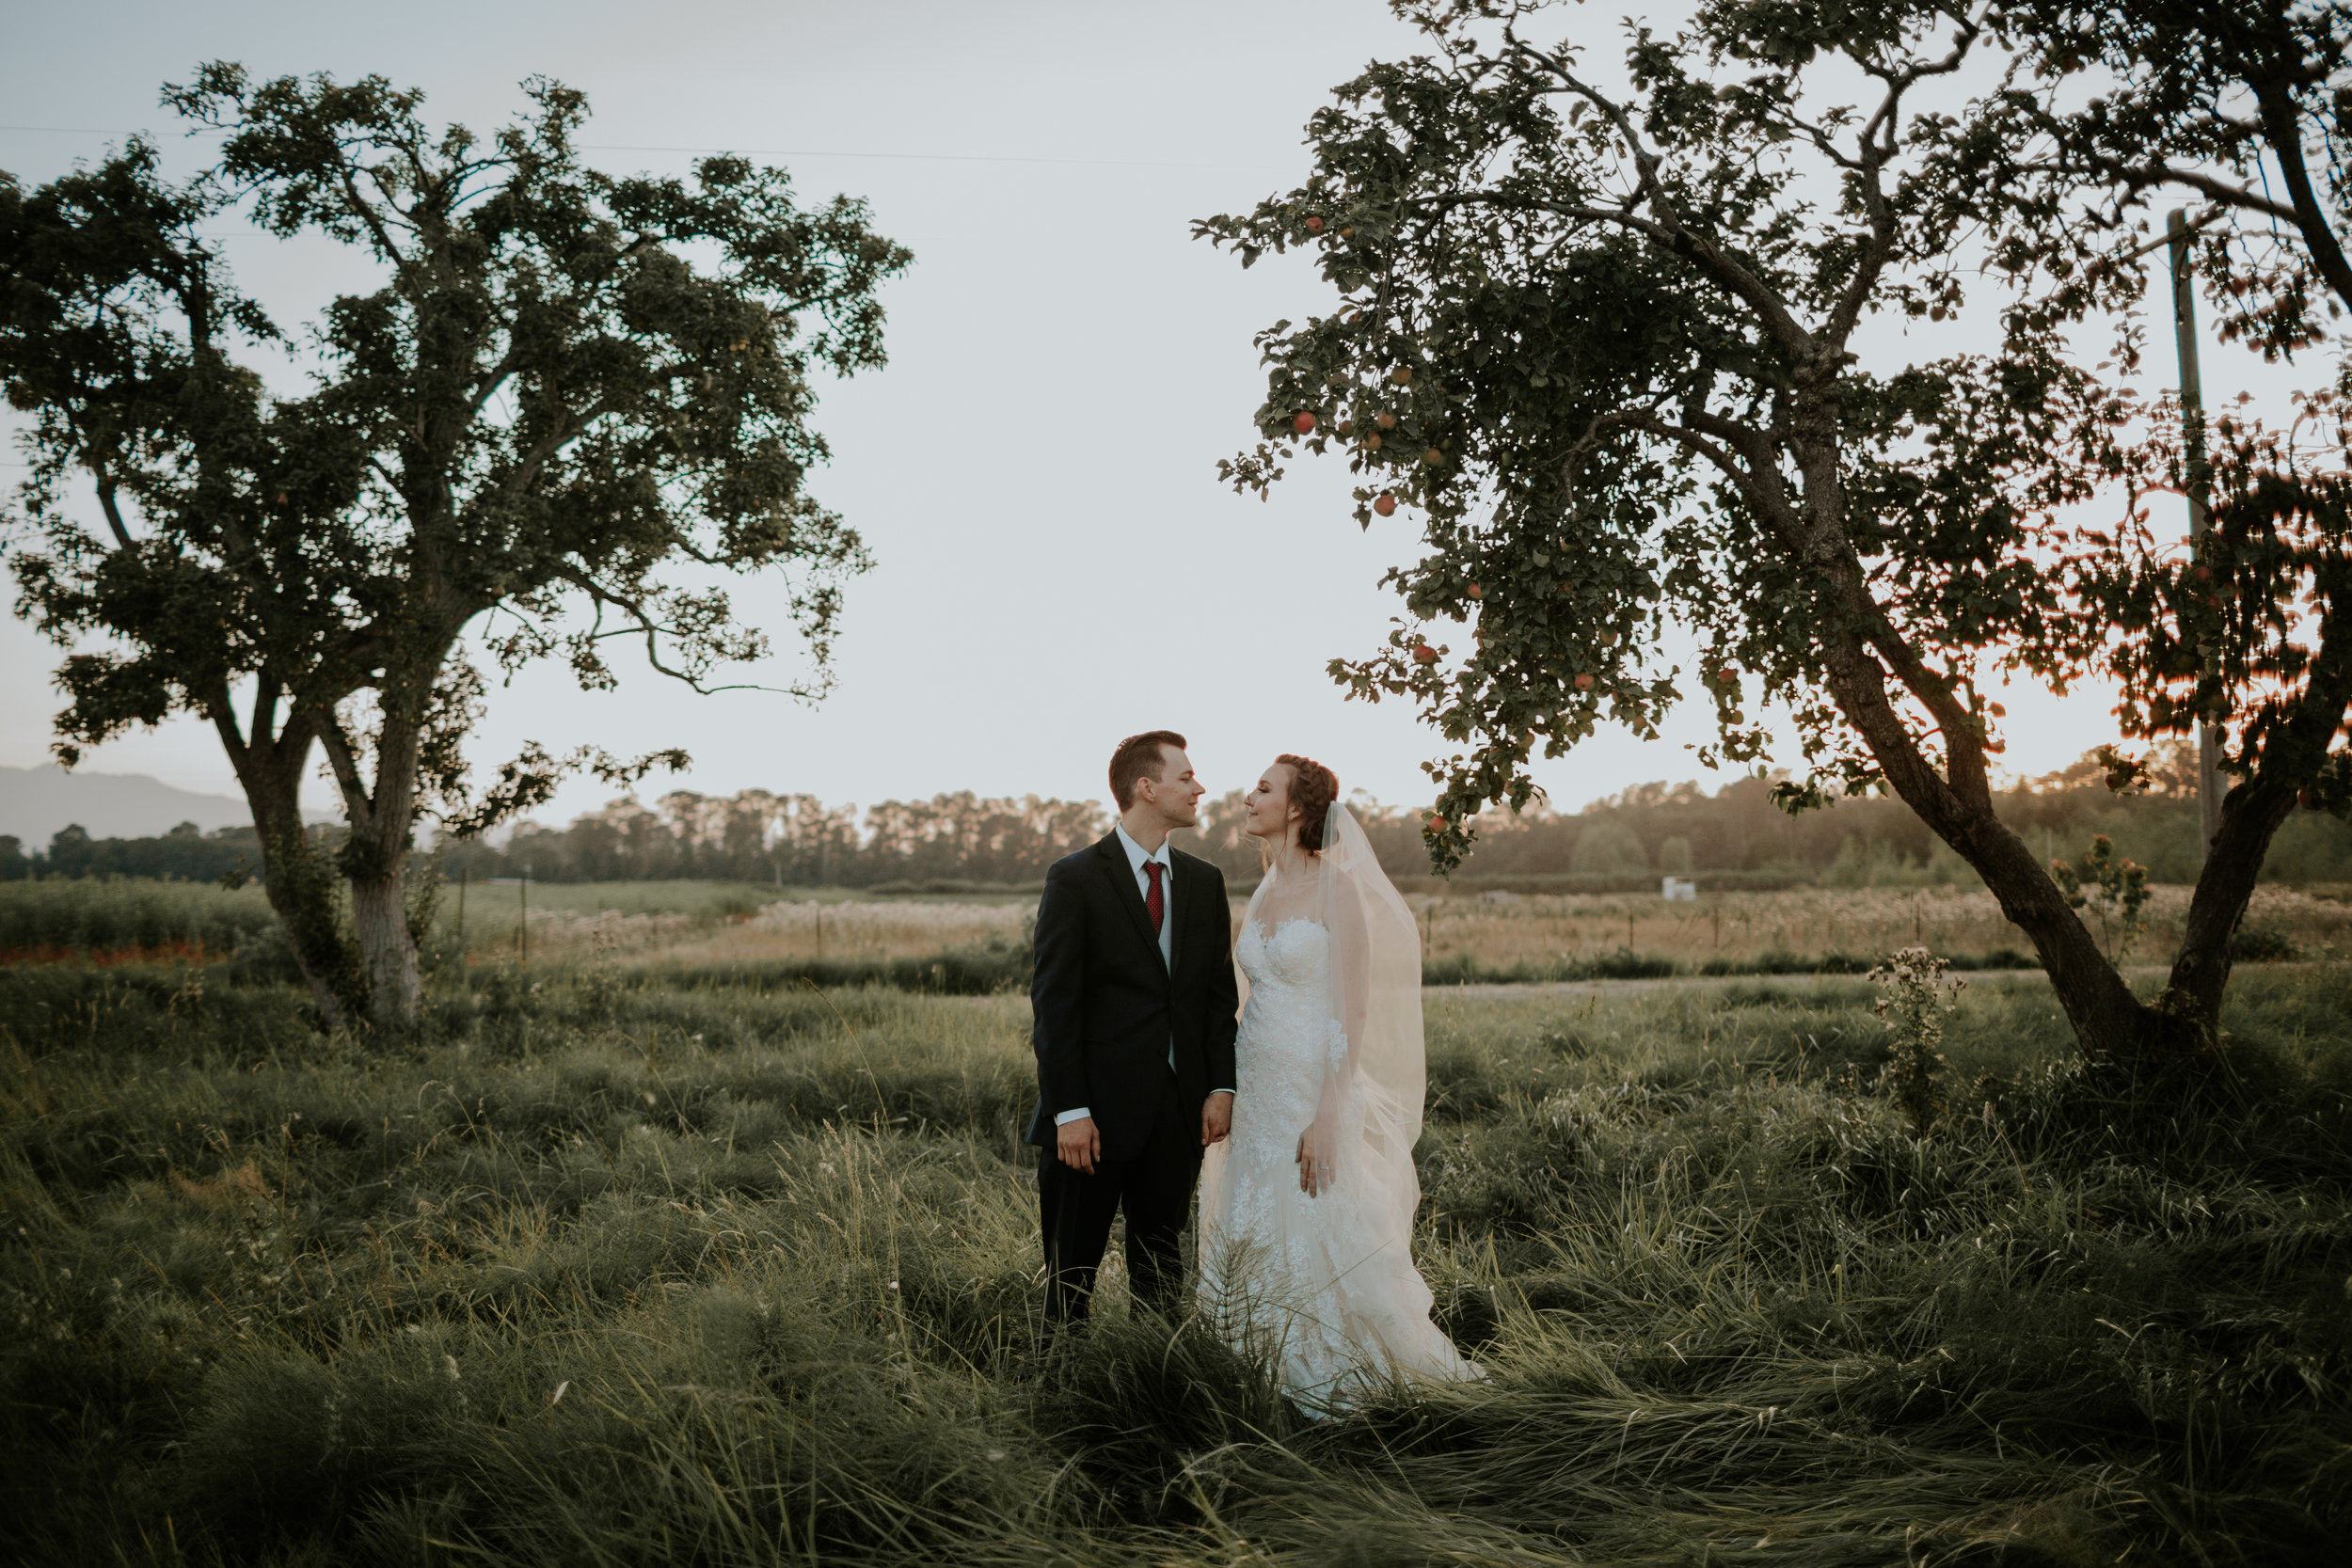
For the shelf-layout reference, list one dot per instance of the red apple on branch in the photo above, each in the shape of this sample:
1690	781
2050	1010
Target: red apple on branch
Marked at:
1424	653
1303	422
1385	505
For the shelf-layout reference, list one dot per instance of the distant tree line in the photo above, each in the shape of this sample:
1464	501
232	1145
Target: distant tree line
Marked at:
1733	834
793	840
185	854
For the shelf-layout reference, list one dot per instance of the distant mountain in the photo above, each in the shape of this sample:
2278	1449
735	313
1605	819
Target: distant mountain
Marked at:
35	803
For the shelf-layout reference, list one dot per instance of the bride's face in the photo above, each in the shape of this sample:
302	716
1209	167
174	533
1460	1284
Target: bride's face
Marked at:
1268	812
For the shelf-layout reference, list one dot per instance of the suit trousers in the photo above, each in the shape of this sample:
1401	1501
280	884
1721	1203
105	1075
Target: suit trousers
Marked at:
1154	1185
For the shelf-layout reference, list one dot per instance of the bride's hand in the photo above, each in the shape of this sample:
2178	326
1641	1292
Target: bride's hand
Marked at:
1314	1164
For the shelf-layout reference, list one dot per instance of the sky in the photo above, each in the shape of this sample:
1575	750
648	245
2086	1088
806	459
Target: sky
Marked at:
1034	470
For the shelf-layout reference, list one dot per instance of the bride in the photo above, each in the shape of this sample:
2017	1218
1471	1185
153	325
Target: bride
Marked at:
1306	1210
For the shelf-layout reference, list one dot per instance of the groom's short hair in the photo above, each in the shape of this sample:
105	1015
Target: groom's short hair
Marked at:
1139	756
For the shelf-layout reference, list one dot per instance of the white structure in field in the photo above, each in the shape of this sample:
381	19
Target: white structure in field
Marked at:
1679	890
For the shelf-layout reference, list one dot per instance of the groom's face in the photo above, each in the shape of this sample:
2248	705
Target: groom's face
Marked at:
1175	794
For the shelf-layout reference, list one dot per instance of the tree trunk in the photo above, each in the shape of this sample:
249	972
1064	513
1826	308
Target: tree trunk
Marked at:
2108	1020
299	883
387	949
1956	803
377	854
2250	816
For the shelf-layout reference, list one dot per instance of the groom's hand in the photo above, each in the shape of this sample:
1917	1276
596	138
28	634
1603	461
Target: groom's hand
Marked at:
1078	1143
1216	1117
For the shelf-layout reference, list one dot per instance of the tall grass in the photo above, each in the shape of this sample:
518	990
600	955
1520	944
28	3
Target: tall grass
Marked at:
1744	932
570	920
620	1266
109	915
838	938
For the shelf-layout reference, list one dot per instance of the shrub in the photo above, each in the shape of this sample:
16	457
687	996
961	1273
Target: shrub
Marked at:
1913	997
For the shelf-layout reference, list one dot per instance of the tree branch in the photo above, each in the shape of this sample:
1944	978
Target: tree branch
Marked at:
343	759
2286	140
106	486
2139	177
642	622
1876	142
267	688
1758	481
1669	229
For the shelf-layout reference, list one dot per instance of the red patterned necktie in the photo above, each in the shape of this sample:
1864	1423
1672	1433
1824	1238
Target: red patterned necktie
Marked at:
1152	900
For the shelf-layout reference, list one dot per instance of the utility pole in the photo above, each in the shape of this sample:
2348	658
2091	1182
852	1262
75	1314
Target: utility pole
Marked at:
2193	452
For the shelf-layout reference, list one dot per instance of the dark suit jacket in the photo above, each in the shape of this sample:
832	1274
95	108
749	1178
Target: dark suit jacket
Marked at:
1105	1006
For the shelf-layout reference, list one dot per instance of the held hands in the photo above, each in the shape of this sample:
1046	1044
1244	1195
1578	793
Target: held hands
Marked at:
1216	1117
1314	1164
1078	1145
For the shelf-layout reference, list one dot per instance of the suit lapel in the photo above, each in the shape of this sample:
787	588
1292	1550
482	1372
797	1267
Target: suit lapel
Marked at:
1187	880
1123	878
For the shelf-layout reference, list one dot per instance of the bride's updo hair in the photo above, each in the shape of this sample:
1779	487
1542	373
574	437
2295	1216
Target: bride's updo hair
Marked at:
1313	787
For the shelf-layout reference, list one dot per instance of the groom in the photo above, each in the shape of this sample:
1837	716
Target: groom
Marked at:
1134	1006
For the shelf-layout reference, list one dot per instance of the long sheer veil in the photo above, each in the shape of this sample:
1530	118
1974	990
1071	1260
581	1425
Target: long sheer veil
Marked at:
1375	1070
1375	1076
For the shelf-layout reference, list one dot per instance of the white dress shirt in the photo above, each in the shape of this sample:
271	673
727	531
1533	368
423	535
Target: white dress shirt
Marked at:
1138	857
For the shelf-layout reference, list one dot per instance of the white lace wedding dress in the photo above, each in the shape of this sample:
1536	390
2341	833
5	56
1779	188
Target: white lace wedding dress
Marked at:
1323	1286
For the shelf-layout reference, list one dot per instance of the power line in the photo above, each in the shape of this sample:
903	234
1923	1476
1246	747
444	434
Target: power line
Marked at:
925	157
779	152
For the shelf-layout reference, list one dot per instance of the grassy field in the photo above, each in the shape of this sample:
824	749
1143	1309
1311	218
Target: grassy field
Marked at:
48	920
1466	935
1736	932
124	919
614	1265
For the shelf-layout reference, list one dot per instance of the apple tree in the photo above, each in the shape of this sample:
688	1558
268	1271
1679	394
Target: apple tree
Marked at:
1608	342
565	403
